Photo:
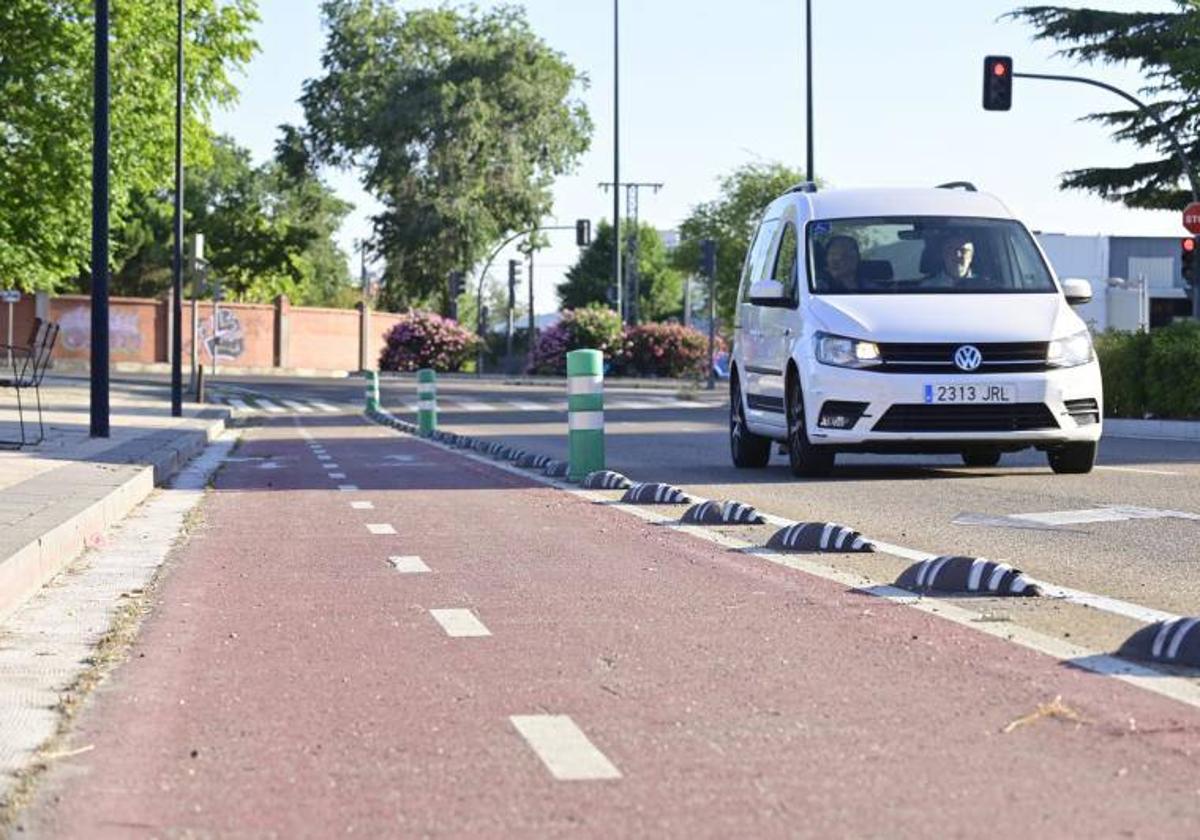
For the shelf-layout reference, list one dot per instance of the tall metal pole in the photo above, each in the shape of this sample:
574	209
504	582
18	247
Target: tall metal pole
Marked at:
99	350
177	278
530	337
617	158
808	77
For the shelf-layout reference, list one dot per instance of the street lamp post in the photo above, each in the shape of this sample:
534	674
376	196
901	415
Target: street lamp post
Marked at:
617	157
177	276
99	407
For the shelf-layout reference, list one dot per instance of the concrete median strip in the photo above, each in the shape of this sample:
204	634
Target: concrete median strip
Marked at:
563	748
460	623
819	536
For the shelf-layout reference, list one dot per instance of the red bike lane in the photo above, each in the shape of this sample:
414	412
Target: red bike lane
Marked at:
294	682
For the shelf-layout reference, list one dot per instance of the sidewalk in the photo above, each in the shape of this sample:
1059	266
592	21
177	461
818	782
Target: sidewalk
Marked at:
58	496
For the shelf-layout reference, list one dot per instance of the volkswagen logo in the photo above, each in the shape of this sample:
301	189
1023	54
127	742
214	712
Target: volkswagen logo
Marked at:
968	357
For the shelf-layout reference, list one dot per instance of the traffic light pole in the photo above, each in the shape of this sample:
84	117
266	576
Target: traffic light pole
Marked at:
99	402
1184	163
177	268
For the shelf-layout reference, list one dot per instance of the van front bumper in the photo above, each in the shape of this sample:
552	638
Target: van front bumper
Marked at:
1050	408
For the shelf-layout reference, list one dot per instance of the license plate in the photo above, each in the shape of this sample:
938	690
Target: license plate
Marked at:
970	393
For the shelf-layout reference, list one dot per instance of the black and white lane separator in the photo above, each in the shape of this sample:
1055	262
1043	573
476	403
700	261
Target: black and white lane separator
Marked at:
606	480
655	493
1170	642
726	512
976	575
531	461
819	536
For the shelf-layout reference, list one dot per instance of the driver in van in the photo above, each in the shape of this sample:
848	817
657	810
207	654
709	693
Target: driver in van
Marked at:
957	253
841	262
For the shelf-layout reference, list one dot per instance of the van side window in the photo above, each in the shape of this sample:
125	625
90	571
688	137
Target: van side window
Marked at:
756	260
786	263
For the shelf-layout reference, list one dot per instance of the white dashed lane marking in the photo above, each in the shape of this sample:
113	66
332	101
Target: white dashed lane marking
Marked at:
267	405
563	748
460	623
331	466
409	564
362	505
380	528
347	488
337	475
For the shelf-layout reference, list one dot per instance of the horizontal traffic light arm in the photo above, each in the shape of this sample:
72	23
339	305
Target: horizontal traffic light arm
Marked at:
1170	135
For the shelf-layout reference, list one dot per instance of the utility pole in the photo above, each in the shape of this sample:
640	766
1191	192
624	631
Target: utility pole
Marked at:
530	336
617	157
810	175
99	403
632	193
177	274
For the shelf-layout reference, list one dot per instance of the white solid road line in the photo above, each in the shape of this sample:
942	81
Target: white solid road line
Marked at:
1141	470
460	623
520	405
563	748
467	405
380	528
409	564
362	505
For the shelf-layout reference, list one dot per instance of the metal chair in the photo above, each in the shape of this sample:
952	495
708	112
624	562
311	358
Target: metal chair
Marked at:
25	367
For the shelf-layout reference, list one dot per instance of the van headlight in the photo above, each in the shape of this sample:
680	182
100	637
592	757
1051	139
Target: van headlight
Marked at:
846	352
1070	351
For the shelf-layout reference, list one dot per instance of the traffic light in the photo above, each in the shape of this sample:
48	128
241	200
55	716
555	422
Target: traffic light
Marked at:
1189	259
997	83
514	277
708	257
457	284
583	232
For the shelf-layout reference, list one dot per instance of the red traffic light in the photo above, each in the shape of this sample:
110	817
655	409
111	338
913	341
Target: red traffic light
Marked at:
1189	245
998	69
997	82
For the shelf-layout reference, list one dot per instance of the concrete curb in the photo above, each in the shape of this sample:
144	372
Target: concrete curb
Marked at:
35	551
1155	429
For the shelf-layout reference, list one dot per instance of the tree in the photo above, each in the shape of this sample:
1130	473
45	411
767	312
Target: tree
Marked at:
589	280
268	230
460	119
1166	47
45	120
731	220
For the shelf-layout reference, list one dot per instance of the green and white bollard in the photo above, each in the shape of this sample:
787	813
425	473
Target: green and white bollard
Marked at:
585	413
426	401
372	390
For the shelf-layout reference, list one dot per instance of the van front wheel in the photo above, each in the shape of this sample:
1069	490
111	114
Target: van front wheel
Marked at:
1072	458
805	459
749	451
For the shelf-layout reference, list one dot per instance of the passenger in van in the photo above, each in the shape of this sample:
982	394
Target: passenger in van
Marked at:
842	260
957	253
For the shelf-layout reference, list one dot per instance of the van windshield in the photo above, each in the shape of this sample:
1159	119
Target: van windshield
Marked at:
924	255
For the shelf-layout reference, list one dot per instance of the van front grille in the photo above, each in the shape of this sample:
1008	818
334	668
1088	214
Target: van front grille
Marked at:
998	357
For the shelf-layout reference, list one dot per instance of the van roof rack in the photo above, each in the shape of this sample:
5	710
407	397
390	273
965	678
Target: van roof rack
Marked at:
804	187
957	185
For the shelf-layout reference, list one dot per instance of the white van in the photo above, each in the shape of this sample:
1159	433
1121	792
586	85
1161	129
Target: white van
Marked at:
907	320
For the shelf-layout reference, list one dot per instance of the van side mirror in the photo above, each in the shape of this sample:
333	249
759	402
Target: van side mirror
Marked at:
767	293
1077	291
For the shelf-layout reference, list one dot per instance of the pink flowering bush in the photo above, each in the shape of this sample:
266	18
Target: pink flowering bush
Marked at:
427	340
669	350
590	328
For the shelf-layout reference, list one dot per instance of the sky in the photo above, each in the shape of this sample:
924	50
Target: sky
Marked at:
710	85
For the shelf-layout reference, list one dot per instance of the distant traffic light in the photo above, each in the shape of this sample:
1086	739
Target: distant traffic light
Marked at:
457	284
514	277
708	257
997	83
1189	259
583	232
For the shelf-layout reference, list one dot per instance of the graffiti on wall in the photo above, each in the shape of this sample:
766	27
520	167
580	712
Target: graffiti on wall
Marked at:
228	342
123	333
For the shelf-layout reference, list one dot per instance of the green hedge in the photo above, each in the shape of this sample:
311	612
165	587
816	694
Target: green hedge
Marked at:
1155	373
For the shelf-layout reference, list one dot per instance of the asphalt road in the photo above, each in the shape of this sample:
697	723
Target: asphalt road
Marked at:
926	503
367	634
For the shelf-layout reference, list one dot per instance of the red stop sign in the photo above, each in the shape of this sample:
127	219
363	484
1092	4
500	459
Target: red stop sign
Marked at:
1191	217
